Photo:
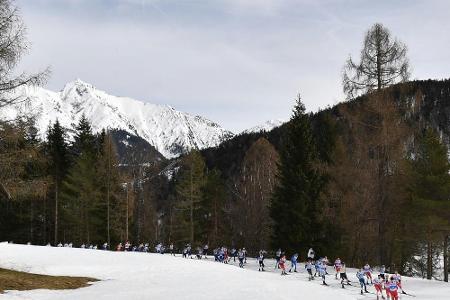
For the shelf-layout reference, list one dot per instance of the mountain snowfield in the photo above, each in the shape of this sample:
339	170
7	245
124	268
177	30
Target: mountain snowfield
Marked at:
171	132
135	275
266	126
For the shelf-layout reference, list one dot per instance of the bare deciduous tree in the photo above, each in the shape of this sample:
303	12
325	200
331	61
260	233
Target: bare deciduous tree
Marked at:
383	62
255	187
12	46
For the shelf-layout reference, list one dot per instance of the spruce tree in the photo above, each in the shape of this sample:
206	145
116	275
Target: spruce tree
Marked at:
84	139
57	150
81	189
294	207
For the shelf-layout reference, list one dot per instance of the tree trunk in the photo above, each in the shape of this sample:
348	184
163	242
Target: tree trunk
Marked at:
378	41
45	214
56	212
429	260
216	223
108	191
446	258
126	220
192	210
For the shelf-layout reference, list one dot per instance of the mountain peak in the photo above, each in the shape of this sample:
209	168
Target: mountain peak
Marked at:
266	126
170	131
79	86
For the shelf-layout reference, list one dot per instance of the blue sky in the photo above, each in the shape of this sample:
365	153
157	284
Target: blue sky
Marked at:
237	62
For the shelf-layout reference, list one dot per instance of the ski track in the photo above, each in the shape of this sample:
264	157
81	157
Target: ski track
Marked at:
134	275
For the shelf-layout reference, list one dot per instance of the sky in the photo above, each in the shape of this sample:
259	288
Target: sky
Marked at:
236	62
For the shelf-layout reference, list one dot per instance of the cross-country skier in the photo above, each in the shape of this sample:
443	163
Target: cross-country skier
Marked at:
241	258
398	279
309	266
221	254
323	271
171	249
311	254
189	250
294	263
282	264
226	258
362	280
317	267
392	287
260	260
119	247
216	254
277	258
343	274
383	272
234	254
326	261
367	272
245	255
378	284
205	250
337	266
199	252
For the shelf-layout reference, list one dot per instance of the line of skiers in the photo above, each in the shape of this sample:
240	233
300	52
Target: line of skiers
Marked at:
390	284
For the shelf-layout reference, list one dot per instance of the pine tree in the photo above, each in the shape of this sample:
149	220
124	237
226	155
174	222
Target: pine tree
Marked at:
294	207
57	150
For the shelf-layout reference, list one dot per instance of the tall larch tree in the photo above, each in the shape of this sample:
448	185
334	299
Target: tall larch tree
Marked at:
189	188
383	62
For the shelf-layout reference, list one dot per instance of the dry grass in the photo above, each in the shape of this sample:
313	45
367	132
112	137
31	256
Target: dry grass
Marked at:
13	280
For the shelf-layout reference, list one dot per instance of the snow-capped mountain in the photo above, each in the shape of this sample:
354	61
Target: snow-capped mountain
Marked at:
170	131
266	126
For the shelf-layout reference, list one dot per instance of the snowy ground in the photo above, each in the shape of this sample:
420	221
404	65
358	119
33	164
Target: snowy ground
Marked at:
132	275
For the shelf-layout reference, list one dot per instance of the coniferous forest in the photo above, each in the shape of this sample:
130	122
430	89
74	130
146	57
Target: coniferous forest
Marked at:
365	180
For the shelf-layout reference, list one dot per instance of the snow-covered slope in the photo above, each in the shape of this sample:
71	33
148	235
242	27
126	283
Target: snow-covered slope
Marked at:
266	126
135	275
171	132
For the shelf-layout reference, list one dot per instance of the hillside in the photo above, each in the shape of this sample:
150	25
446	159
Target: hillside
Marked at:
432	109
